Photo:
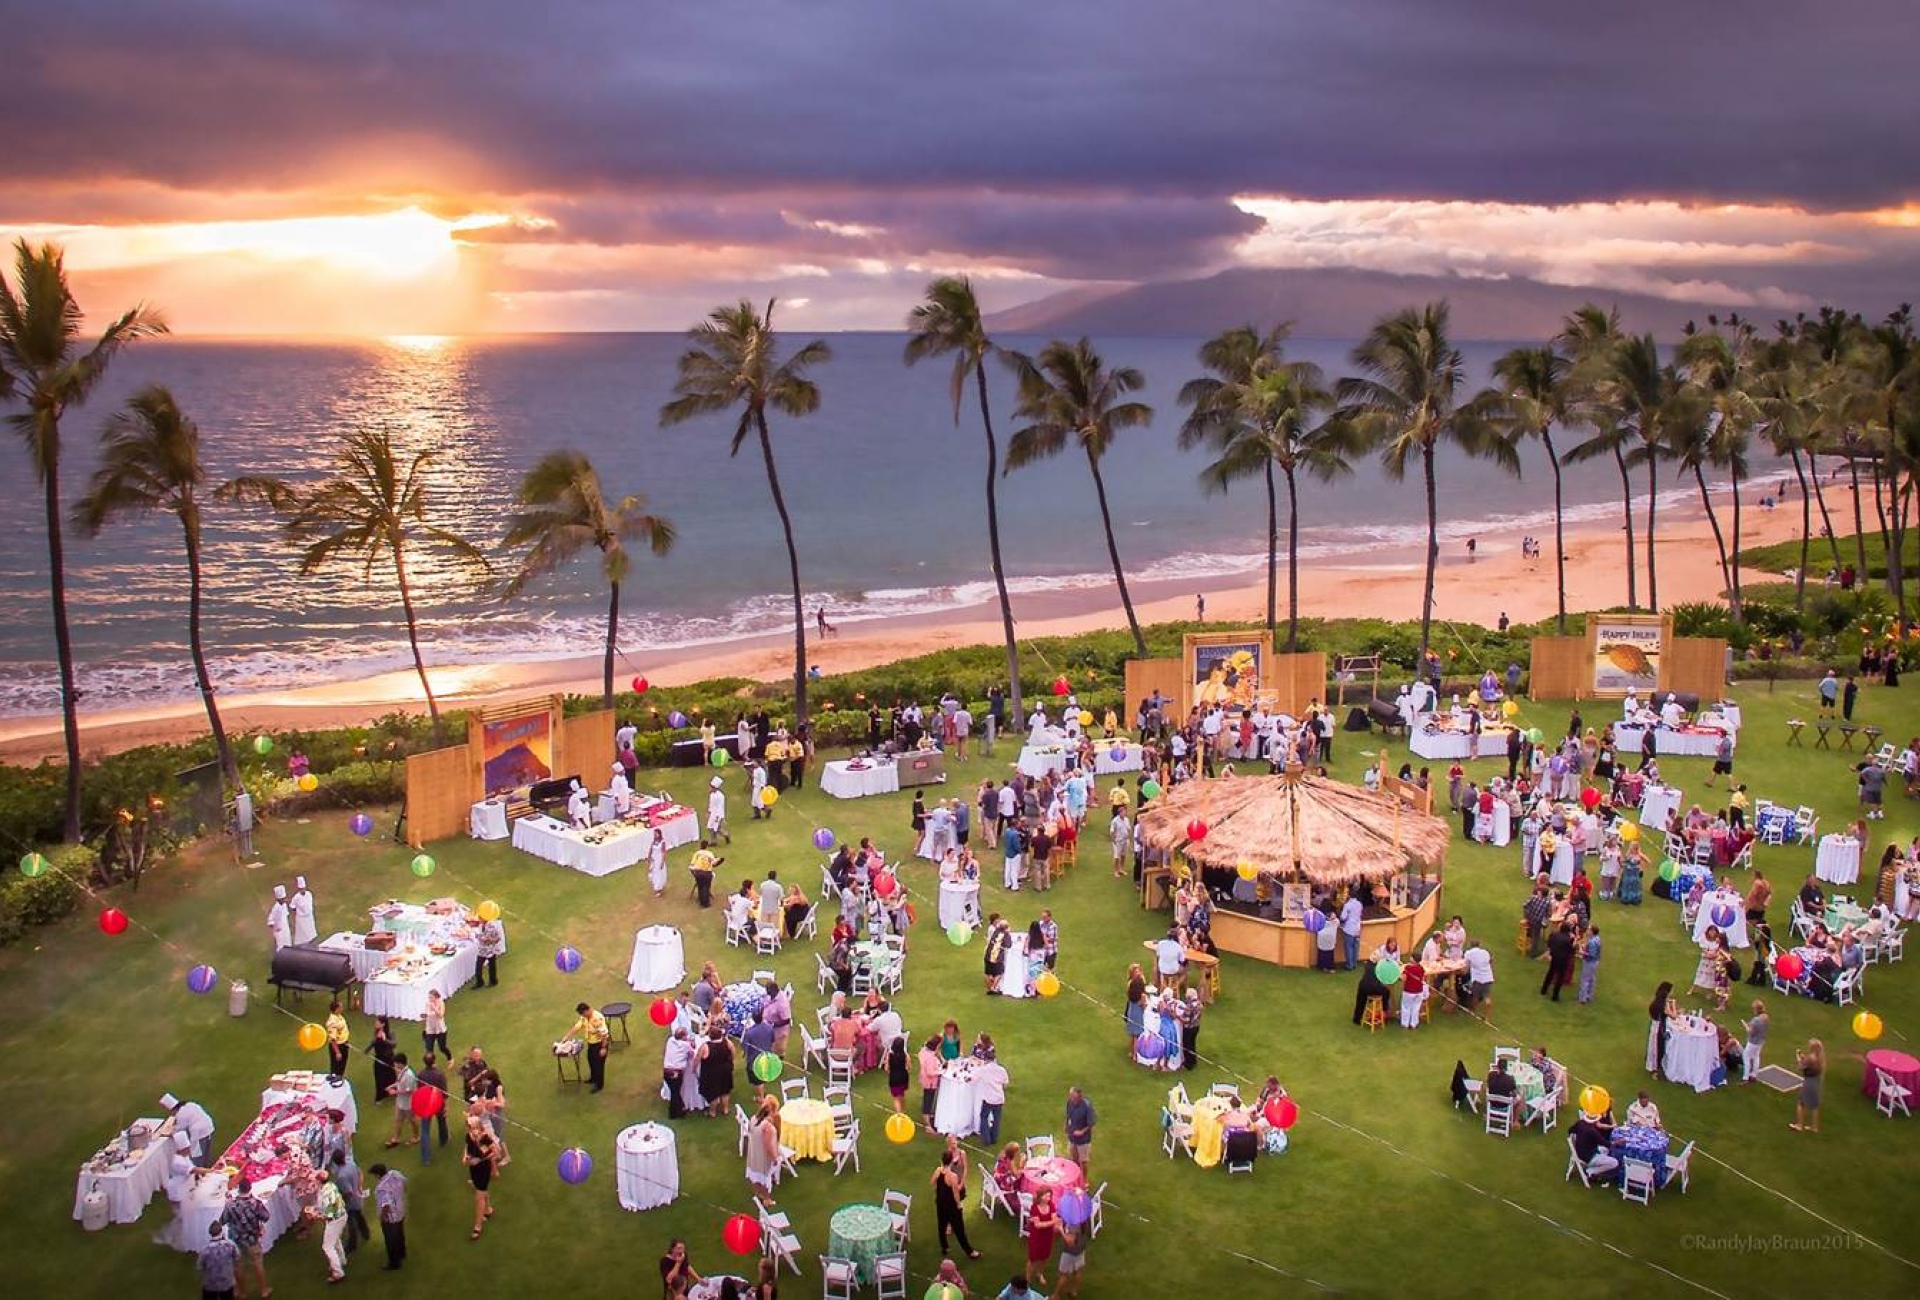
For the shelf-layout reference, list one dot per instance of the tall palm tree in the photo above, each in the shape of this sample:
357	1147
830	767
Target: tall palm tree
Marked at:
150	461
44	366
1406	401
564	510
376	510
1531	395
1720	369
1589	336
1650	401
948	323
1885	362
1782	393
1260	413
733	359
1069	396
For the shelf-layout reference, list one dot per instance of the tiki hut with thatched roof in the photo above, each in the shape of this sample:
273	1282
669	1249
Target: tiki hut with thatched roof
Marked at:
1267	846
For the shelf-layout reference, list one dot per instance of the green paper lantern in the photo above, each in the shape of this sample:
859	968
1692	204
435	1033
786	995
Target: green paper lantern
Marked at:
1150	789
958	933
263	744
1388	970
1669	869
34	865
767	1067
423	865
719	758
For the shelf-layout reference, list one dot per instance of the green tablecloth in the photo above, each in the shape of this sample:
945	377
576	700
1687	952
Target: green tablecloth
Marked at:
876	957
1528	1085
1841	915
861	1233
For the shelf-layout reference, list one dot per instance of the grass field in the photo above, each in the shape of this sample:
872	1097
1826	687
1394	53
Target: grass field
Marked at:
1386	1189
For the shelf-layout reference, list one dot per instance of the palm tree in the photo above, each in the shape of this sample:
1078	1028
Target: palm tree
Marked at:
1068	395
374	510
948	323
733	358
43	366
1885	365
1785	402
1406	400
1650	402
1588	337
1257	411
564	510
1532	396
150	461
1720	369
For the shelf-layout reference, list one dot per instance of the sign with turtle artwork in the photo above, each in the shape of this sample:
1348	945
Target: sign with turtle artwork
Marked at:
1227	669
1626	652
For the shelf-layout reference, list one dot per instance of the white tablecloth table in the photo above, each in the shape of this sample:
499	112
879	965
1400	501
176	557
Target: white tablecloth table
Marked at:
956	1107
128	1187
1692	1055
207	1201
648	1167
402	995
1013	982
1627	739
659	959
675	831
334	1096
1457	744
1726	714
1105	764
487	820
1497	827
959	901
1837	860
1657	803
1038	760
614	847
1737	932
1560	868
845	782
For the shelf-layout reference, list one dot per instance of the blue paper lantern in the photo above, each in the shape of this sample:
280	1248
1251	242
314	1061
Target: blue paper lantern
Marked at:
1722	915
676	719
360	824
1118	753
575	1165
567	960
201	979
1075	1207
1315	920
823	839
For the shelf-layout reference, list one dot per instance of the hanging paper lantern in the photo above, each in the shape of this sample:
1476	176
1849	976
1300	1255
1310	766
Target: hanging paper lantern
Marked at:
719	758
263	744
1150	1047
1790	966
423	865
899	1129
1536	735
958	933
113	920
944	1291
1048	985
1149	789
1086	717
567	959
769	796
308	782
676	719
1669	869
1118	753
311	1038
1246	870
1315	920
488	910
1510	709
360	824
1867	1026
661	1011
826	706
34	865
428	1101
1629	832
1061	686
1722	915
884	884
201	979
1075	1207
574	1166
766	1067
639	686
822	838
1595	1100
1387	970
1590	798
742	1231
1196	830
1282	1112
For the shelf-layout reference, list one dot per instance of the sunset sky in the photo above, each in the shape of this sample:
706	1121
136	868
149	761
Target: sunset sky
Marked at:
455	165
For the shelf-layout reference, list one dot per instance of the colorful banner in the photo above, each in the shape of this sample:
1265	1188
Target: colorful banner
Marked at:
1226	673
1626	655
517	751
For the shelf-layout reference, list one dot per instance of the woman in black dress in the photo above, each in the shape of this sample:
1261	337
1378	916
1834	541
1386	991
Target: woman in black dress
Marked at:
919	815
1657	1012
479	1160
716	1072
382	1052
947	1191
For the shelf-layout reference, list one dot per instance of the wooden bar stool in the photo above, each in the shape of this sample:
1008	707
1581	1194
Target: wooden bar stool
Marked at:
617	1013
1794	728
1825	729
1376	1013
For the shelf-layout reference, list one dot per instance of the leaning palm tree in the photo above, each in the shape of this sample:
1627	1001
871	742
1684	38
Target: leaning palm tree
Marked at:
43	366
1785	404
1532	395
1069	396
733	359
150	462
564	510
1719	367
948	323
1651	403
1885	366
1588	337
1405	400
375	510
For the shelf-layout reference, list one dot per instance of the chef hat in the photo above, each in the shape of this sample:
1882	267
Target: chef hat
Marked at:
280	892
1670	698
619	769
715	783
575	785
299	882
181	1142
168	1101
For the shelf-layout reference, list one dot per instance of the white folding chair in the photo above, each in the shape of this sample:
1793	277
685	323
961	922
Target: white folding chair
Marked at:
1679	1166
839	1099
784	1166
782	1248
766	941
846	1147
900	1206
812	1047
840	1066
1636	1183
1544	1110
838	1278
810	923
1175	1133
792	1090
1499	1115
1472	1087
1892	1096
736	932
827	888
823	979
1805	823
992	1197
1225	1090
1023	1206
1039	1145
1512	1054
890	1276
1096	1211
765	977
1576	1167
746	1126
1846	989
1178	1101
1893	944
1883	756
824	1018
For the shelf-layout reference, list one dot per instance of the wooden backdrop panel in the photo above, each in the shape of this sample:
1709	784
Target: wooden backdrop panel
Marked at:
439	793
1562	668
1297	680
1144	677
1697	664
586	747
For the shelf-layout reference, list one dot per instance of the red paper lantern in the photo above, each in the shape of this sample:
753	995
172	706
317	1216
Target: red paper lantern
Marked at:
1061	686
661	1012
742	1234
1196	830
1282	1112
1590	797
639	686
428	1101
113	921
1790	966
884	884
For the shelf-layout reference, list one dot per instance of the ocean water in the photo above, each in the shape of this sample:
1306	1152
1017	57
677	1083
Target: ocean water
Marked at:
886	495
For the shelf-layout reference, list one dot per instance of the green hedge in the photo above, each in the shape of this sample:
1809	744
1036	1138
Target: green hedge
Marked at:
26	903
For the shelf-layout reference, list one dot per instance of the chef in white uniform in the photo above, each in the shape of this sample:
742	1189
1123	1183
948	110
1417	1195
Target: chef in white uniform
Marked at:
278	922
191	1118
578	808
1671	713
1037	726
620	792
179	1168
302	906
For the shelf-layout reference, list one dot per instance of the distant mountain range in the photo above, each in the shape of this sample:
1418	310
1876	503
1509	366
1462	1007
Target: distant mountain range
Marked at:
1333	303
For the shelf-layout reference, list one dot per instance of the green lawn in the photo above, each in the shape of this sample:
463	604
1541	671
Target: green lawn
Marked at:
1386	1189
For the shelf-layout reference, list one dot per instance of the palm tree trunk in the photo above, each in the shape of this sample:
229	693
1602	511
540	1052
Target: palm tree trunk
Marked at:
62	638
222	747
1293	564
993	539
1713	521
613	638
1273	549
1896	571
1734	601
1113	553
1859	524
1820	496
1626	505
1653	571
1559	532
1433	551
1806	535
793	571
413	640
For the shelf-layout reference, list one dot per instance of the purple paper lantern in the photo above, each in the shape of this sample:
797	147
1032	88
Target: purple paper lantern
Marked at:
1118	753
1315	920
567	960
676	719
575	1165
1150	1047
201	979
1075	1207
360	824
1722	915
823	839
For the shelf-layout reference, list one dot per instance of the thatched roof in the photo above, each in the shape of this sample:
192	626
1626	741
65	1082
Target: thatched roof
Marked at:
1331	832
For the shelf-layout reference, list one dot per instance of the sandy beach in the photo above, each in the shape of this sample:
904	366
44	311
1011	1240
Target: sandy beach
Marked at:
1382	584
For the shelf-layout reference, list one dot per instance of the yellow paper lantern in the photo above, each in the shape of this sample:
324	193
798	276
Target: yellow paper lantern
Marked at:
1247	871
1048	985
769	797
308	782
312	1038
1086	717
488	911
1867	1026
1595	1100
1629	832
1510	709
899	1129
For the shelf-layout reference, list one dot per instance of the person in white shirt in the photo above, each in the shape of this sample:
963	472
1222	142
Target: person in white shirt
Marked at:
579	807
624	737
1479	974
717	812
1644	1112
1630	705
657	865
1671	713
740	912
1169	960
619	791
191	1118
1350	913
962	728
1009	804
770	895
1037	724
990	1087
279	921
1120	831
758	782
301	907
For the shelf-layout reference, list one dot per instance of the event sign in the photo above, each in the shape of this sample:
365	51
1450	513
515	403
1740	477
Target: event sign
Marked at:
517	751
1626	653
1227	671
